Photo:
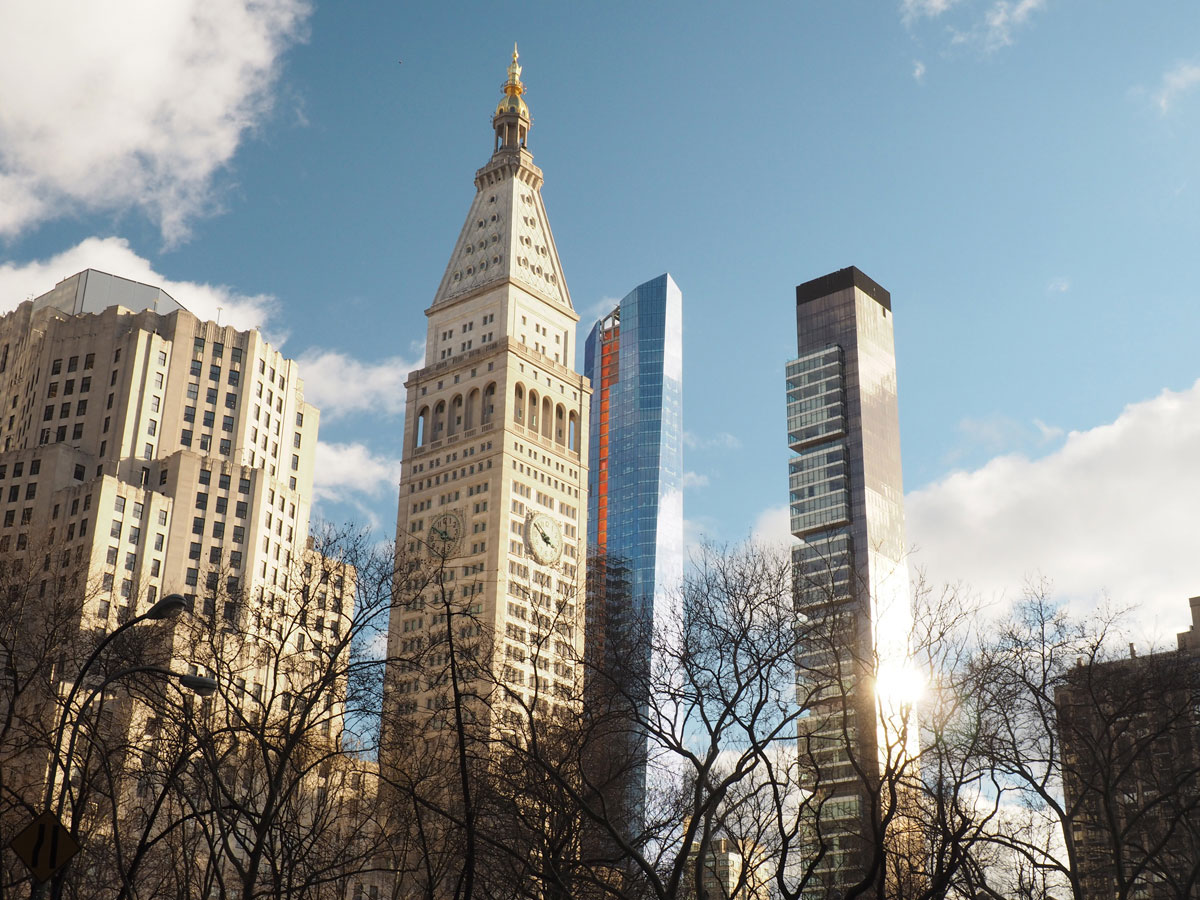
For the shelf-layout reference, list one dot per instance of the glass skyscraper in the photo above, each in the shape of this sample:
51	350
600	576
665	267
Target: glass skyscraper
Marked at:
847	509
634	358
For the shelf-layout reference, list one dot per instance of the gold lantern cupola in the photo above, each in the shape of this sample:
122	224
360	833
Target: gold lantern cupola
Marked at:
512	120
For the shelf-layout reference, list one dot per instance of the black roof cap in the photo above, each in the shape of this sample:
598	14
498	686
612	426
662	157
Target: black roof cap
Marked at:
840	281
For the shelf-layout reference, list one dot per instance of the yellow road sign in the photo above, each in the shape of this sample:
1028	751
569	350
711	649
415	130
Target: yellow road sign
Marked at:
44	846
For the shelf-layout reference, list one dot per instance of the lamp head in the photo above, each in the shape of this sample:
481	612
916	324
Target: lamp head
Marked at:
167	608
199	684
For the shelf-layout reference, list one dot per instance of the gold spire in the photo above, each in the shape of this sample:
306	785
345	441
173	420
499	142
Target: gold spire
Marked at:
513	89
513	86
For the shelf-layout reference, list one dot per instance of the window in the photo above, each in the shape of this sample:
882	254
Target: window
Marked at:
56	367
243	485
130	561
226	446
85	384
189	414
193	391
222	505
81	407
194	550
198	345
205	476
214	555
155	567
77	431
299	419
111	556
235	377
185	438
239	534
240	509
48	414
107	423
223	481
295	462
227	423
115	531
152	427
158	379
193	577
230	400
214	373
218	350
218	529
148	451
296	440
196	368
158	540
202	501
197	525
209	418
210	395
119	504
89	360
155	403
135	534
162	357
79	472
113	379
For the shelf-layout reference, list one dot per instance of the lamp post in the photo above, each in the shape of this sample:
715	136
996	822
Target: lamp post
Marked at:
168	607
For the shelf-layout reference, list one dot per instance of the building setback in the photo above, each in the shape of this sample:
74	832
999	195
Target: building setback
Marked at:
846	505
634	361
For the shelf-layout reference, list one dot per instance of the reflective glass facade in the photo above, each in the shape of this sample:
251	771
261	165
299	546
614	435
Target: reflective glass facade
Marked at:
846	505
634	358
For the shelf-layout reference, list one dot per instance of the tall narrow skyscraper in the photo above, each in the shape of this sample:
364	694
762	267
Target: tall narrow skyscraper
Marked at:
494	481
634	359
847	509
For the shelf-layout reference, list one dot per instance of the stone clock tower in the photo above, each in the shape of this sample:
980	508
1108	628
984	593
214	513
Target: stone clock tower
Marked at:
493	496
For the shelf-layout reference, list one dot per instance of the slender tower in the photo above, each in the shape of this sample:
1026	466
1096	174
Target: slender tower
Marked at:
634	361
494	482
847	508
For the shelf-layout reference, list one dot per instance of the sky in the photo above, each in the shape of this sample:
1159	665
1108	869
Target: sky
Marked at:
1022	176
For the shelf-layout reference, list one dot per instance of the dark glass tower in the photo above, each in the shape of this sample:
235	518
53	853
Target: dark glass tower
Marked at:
634	358
847	509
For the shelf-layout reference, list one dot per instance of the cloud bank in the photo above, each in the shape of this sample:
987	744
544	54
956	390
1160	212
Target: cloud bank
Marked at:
341	385
137	104
23	281
1111	512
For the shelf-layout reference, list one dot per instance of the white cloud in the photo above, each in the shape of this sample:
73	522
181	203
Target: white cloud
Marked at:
1111	512
924	9
722	440
597	311
693	480
919	72
340	385
1059	285
773	528
1175	83
1004	17
112	106
23	281
352	468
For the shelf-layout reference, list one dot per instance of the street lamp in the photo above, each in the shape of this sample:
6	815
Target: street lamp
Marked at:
168	607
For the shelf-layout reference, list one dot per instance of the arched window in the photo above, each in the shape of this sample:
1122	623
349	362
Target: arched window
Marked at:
519	404
472	414
439	420
573	431
454	426
533	411
560	424
422	435
547	418
489	403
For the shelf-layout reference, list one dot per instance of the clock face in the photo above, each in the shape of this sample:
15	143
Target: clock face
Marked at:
543	538
445	531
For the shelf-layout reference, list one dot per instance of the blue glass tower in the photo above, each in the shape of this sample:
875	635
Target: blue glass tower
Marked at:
634	358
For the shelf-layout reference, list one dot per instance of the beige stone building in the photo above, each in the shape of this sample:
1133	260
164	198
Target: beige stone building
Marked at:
154	451
494	483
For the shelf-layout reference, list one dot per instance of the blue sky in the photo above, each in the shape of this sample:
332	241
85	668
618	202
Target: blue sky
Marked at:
1021	175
